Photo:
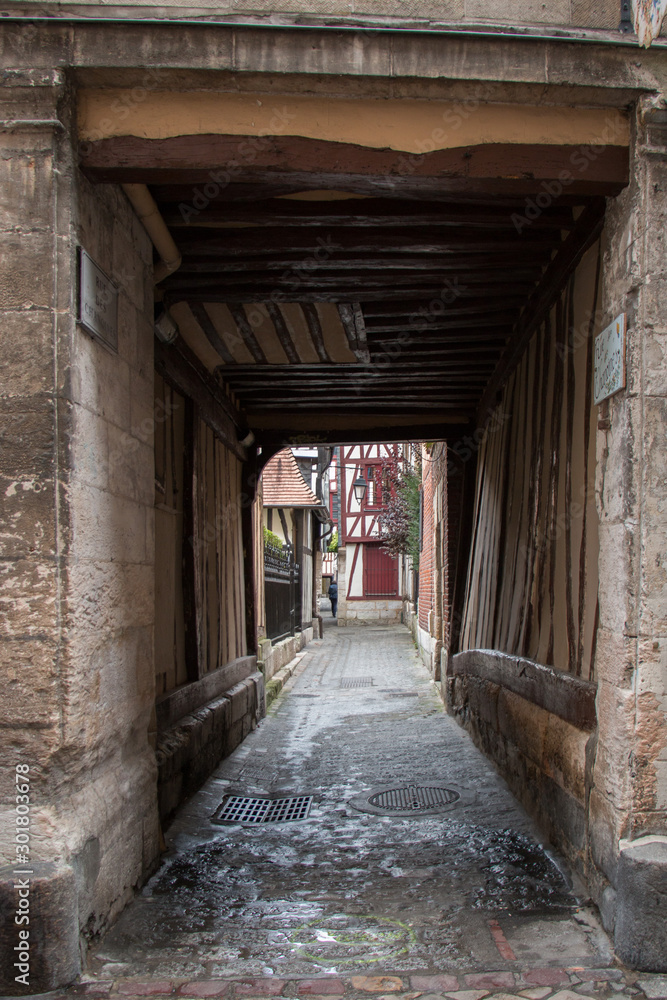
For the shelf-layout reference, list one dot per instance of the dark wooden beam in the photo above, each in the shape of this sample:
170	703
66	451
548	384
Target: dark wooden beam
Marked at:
352	319
315	329
338	262
366	212
283	333
247	333
201	242
510	168
343	294
198	310
179	366
588	228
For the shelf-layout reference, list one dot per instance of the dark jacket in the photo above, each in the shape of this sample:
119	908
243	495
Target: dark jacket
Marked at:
333	591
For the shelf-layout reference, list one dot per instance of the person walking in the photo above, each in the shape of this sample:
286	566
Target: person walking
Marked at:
333	597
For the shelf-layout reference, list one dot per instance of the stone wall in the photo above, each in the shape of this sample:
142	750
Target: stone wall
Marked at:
77	484
538	725
371	612
629	795
600	14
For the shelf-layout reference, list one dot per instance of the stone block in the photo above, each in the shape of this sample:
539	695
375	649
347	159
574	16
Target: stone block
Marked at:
616	711
26	270
28	590
564	756
30	682
131	464
615	657
107	528
89	448
52	958
26	360
640	935
26	190
107	596
28	443
523	724
594	14
28	518
100	381
605	823
618	589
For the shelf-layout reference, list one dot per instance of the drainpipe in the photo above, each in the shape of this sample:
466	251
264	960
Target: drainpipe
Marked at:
149	215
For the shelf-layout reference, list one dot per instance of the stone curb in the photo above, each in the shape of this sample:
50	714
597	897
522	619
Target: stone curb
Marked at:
281	677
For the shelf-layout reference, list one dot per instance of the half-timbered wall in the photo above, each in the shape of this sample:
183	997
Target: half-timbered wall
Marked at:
171	669
199	578
219	578
371	578
532	579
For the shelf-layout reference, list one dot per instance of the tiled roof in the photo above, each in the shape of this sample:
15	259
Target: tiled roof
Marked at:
283	485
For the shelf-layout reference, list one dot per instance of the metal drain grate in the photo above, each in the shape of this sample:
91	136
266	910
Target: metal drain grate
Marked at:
244	809
356	682
417	797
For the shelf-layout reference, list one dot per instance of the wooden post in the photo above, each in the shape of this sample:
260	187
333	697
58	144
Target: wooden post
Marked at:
249	480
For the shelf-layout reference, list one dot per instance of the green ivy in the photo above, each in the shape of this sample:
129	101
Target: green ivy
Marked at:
273	540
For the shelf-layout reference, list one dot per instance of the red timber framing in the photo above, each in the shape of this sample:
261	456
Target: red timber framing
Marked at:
361	523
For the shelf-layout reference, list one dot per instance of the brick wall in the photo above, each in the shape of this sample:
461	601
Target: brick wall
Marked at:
427	554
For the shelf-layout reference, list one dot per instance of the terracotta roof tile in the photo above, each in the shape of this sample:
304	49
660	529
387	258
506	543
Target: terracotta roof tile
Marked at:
283	485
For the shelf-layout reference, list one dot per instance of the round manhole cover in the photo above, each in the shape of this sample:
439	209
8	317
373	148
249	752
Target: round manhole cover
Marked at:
407	800
413	797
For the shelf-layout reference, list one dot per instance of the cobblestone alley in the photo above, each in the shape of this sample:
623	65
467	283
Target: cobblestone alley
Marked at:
462	902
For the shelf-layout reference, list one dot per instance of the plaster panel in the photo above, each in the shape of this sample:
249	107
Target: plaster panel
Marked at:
401	125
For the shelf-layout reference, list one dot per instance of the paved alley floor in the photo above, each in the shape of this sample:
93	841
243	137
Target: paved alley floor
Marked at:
463	902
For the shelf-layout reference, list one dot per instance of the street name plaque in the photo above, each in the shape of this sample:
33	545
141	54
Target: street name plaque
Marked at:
98	302
610	360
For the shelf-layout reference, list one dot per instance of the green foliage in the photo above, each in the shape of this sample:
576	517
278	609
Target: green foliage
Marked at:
333	543
272	540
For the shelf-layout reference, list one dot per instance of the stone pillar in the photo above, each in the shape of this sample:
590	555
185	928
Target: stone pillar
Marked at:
78	796
629	795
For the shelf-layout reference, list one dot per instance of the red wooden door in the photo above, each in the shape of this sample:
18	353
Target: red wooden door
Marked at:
380	573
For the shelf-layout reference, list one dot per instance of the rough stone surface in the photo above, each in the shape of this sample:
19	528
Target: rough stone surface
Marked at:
52	952
371	896
641	915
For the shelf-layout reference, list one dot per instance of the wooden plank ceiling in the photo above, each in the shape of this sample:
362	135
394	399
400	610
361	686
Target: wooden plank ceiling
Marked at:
343	293
331	301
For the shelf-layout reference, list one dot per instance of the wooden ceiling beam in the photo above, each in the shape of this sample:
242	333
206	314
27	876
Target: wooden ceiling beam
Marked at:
343	294
247	333
211	243
510	168
283	333
247	266
352	319
362	213
215	340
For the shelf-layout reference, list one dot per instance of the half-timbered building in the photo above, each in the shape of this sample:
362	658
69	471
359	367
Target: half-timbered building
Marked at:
368	577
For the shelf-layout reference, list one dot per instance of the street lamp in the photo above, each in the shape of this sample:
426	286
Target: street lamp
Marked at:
360	486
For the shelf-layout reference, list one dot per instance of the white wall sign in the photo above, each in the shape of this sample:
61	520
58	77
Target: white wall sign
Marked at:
610	359
98	301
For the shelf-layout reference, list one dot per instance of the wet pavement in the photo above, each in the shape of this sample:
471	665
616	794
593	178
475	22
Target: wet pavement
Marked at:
357	899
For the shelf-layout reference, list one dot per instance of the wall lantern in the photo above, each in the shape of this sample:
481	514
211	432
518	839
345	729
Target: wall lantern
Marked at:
360	486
